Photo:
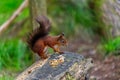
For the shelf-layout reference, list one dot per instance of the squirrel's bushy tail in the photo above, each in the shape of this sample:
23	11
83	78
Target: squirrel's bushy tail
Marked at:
40	31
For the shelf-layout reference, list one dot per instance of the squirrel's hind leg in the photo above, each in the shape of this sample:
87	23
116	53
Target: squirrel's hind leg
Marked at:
42	54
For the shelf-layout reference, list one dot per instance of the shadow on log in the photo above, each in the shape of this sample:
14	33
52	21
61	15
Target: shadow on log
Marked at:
73	67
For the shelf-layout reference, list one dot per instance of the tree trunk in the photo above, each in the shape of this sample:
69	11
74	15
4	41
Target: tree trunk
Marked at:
111	11
37	7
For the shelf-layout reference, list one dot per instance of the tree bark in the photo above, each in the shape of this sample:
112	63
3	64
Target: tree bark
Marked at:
74	67
37	7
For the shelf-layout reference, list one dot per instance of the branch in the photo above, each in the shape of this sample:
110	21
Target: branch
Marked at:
12	18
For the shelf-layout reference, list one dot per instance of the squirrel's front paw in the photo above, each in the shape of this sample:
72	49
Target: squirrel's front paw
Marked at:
44	57
61	52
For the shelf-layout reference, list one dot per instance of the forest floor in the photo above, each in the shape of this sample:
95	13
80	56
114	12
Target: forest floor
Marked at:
105	68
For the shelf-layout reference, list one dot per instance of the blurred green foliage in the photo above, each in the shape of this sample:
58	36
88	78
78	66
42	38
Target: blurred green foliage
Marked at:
6	78
8	7
111	47
70	15
14	55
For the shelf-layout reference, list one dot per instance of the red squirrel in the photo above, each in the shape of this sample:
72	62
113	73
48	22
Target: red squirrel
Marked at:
39	39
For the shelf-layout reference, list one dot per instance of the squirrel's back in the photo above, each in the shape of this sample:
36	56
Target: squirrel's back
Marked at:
39	32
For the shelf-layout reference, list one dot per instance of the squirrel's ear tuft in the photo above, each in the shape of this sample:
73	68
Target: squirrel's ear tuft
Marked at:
62	34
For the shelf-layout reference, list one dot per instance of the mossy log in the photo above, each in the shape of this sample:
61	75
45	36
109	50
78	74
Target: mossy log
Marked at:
74	67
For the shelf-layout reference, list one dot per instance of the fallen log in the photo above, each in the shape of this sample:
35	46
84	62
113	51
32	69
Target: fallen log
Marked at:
73	66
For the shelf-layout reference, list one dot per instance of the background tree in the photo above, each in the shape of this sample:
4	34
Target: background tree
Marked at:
37	7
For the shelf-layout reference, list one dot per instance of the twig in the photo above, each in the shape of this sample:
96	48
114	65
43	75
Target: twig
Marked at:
15	14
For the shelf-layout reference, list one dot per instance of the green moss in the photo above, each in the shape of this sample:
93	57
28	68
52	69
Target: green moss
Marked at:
69	77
